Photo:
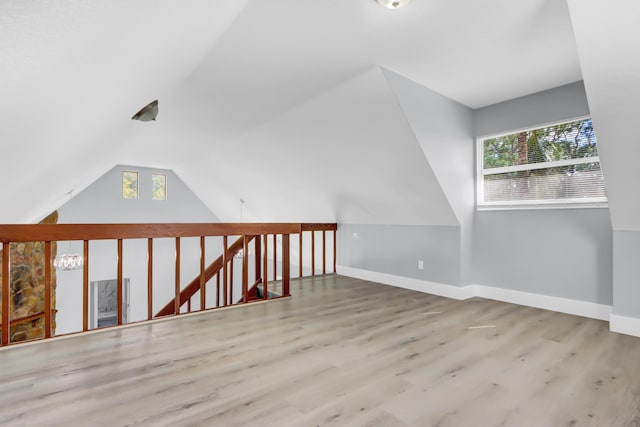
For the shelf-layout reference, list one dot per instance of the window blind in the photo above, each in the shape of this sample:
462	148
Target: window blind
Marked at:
548	165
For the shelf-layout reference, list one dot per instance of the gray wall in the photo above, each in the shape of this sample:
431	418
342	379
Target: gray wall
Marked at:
553	105
558	252
102	201
626	273
396	249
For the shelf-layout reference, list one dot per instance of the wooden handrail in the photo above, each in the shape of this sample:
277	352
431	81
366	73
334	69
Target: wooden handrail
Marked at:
318	227
194	286
26	319
62	232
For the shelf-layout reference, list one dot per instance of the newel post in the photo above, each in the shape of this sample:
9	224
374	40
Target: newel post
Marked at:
5	293
285	265
47	289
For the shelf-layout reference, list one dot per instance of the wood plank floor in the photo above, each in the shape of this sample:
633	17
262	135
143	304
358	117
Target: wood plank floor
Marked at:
341	352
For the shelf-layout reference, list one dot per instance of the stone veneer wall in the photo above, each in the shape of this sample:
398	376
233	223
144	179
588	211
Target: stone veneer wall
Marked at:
27	287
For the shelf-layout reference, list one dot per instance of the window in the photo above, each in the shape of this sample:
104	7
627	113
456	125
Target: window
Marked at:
552	165
159	186
129	185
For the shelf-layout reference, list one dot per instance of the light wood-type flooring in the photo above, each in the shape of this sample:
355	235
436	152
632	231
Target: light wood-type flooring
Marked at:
340	352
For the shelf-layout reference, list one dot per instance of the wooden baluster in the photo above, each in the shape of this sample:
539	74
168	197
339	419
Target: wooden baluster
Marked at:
265	288
225	273
324	252
275	256
47	289
189	305
119	290
177	298
258	258
300	257
203	295
149	279
334	249
85	287
245	268
5	293
231	262
285	265
218	296
313	253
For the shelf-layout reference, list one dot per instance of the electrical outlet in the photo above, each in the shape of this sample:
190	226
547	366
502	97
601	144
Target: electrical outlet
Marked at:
420	264
355	236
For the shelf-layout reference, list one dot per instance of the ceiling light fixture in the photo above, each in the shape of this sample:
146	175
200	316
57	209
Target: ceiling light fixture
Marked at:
147	113
393	4
68	261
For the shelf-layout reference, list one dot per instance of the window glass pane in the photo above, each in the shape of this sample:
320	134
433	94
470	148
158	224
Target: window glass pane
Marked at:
549	165
130	185
159	182
573	140
572	182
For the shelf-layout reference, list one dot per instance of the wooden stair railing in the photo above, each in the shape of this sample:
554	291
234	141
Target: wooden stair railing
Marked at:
25	319
252	293
194	286
272	244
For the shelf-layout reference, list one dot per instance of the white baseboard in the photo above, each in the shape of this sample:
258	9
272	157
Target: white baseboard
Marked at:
562	305
547	302
449	291
624	325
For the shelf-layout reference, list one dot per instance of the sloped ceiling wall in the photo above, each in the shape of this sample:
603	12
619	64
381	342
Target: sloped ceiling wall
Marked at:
73	72
608	39
241	81
444	129
347	155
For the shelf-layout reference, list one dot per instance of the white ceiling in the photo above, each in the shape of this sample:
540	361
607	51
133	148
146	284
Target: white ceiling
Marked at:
236	74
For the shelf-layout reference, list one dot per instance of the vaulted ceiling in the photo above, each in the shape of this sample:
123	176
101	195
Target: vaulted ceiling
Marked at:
283	104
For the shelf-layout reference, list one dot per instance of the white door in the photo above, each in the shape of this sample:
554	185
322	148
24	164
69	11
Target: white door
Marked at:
103	310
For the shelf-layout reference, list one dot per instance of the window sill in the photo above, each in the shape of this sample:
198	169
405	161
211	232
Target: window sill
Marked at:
538	205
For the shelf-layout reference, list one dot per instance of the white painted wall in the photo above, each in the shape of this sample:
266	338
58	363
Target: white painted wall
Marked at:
345	155
73	73
444	131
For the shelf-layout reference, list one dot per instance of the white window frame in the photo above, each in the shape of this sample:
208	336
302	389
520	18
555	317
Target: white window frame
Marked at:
587	202
165	186
137	174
